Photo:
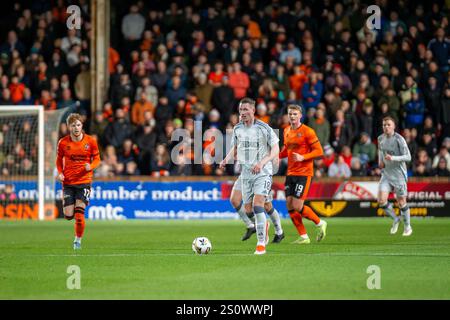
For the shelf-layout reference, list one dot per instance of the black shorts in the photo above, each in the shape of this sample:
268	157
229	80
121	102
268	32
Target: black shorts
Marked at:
297	186
72	193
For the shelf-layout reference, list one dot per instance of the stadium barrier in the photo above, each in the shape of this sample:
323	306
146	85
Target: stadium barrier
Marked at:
208	198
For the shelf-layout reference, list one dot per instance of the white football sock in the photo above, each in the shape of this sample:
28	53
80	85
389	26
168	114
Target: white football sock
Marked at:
275	217
260	216
244	217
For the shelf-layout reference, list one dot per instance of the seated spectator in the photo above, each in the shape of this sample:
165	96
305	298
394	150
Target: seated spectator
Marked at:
357	169
261	112
215	77
131	169
118	131
443	153
291	51
442	169
328	155
339	169
128	152
364	149
161	162
346	153
422	164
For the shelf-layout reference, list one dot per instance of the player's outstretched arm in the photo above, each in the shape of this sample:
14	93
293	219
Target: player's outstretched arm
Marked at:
230	155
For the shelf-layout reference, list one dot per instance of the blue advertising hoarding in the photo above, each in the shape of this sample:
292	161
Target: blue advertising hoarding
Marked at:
146	200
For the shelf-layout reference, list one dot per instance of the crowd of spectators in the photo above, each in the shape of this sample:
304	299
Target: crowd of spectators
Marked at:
178	63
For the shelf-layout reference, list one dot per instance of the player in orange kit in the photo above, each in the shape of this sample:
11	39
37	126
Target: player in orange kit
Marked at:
78	156
301	146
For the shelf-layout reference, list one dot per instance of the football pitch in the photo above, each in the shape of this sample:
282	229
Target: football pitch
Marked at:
154	260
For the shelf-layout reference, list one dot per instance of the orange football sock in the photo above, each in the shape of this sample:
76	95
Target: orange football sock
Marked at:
309	214
79	222
298	222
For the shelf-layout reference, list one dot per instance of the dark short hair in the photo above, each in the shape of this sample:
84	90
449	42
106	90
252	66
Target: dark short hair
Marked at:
247	100
389	118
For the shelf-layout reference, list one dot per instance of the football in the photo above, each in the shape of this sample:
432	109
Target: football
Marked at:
201	245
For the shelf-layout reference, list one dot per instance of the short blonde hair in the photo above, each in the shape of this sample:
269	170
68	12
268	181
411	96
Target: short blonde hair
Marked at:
295	107
74	117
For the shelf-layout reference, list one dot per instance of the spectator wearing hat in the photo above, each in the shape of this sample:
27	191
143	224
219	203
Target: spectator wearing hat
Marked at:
328	155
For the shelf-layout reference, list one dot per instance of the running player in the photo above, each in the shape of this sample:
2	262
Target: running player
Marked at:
256	145
301	146
77	157
248	218
393	153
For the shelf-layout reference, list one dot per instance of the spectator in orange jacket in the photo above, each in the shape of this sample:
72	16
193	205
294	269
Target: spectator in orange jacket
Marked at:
139	108
239	81
17	90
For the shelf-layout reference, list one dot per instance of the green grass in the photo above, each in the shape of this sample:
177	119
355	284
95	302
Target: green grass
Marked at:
154	260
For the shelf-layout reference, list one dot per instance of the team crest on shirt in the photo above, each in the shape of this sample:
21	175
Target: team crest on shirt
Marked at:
299	135
67	147
86	146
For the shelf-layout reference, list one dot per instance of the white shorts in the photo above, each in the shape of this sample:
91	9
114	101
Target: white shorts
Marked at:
399	187
238	187
260	185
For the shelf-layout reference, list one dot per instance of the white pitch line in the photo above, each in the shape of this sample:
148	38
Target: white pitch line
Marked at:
336	254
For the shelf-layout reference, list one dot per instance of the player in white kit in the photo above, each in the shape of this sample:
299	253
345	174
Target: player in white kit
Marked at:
256	145
248	217
393	153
